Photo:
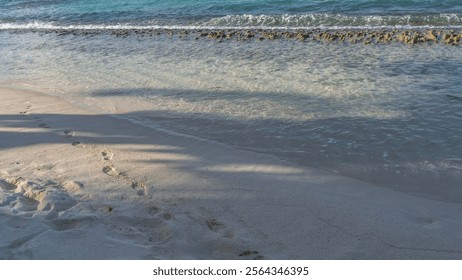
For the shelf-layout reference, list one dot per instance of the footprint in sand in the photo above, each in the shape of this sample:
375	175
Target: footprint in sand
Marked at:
61	224
153	210
102	208
146	231
111	171
72	186
251	254
214	225
107	155
140	188
156	211
69	133
218	227
78	144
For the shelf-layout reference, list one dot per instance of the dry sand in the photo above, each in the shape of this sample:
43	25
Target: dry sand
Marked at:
80	185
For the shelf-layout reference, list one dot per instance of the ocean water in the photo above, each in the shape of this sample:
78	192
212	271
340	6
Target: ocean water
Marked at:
389	114
234	13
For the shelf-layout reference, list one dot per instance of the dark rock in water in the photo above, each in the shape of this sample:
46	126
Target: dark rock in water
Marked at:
270	35
410	40
300	36
446	36
216	35
288	34
351	36
249	34
452	40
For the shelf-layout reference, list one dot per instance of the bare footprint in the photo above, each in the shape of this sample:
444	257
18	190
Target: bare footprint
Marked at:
140	187
153	210
111	171
214	225
54	200
220	228
107	155
78	144
156	211
72	186
145	231
61	224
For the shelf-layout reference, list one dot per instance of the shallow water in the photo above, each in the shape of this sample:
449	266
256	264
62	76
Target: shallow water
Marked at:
386	114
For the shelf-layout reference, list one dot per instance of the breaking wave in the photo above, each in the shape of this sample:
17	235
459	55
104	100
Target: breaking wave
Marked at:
329	20
306	21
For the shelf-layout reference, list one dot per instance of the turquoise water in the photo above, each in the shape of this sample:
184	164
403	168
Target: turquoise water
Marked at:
388	114
272	13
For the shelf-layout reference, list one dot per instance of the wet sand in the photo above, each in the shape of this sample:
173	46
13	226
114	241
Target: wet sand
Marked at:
76	184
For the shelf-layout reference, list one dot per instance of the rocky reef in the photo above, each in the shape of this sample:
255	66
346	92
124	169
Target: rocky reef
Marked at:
450	37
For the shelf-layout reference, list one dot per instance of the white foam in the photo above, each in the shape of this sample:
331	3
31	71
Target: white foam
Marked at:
308	21
269	22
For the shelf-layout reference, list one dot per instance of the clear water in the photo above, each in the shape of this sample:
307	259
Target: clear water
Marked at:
386	114
274	13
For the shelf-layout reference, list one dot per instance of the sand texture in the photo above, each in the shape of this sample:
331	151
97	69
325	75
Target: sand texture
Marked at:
76	184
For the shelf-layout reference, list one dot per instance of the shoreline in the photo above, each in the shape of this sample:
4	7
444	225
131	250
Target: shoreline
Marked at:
82	185
365	35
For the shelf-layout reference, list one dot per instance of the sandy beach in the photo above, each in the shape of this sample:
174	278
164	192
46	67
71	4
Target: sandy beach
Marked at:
75	184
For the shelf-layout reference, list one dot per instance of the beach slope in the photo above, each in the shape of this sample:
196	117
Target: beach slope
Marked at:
76	184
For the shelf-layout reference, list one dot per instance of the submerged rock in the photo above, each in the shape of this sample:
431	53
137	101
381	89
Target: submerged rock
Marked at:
431	36
366	37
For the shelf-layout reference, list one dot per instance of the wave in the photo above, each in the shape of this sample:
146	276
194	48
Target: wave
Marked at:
284	22
330	20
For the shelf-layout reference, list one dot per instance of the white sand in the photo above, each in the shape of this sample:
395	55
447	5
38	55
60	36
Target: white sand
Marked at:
78	185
